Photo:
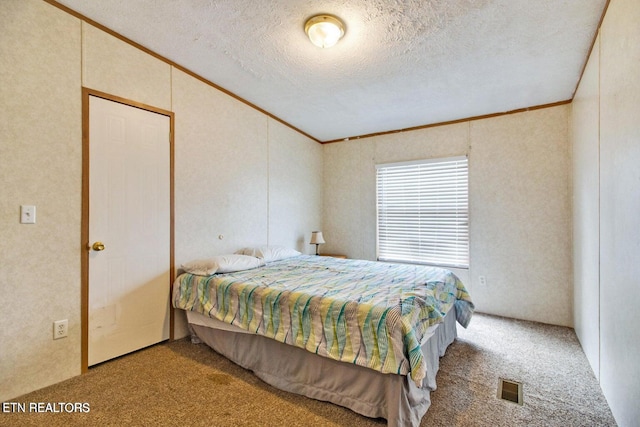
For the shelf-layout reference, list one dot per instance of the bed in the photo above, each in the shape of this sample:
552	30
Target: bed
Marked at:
361	334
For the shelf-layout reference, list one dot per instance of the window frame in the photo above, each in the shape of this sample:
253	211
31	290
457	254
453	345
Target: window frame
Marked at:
461	231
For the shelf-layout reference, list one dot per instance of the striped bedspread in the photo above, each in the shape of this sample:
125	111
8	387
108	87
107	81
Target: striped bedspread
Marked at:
368	313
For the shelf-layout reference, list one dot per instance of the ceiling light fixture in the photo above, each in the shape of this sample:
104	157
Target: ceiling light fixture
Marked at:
324	30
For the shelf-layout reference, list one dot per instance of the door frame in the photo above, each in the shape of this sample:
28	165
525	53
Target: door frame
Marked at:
84	235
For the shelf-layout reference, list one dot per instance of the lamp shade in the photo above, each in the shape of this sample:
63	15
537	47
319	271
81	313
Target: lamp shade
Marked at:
316	238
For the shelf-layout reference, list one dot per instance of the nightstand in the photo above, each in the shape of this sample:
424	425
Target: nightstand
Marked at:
335	256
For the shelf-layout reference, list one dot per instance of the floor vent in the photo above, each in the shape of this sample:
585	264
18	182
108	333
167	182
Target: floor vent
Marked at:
510	391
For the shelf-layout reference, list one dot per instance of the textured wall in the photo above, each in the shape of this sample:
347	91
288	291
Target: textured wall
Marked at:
295	187
521	215
519	169
345	219
606	147
40	164
350	181
221	171
620	210
585	131
117	68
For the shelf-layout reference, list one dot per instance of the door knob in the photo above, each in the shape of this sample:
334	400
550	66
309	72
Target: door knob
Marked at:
98	246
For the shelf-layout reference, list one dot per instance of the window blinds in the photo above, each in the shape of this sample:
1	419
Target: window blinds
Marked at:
423	212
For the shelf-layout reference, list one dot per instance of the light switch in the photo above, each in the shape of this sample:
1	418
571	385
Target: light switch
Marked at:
27	214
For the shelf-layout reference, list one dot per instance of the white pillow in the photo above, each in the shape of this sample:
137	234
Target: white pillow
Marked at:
222	264
270	253
237	262
201	267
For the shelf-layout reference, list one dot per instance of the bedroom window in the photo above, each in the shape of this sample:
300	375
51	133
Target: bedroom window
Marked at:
423	212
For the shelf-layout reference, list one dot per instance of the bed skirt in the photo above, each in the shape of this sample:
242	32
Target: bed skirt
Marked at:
370	393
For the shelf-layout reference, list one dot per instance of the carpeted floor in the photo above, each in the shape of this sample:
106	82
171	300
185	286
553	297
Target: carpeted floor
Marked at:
180	383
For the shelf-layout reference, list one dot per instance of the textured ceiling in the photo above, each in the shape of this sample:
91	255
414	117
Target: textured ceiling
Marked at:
401	63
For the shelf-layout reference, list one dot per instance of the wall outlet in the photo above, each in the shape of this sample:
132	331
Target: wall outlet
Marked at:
482	280
60	328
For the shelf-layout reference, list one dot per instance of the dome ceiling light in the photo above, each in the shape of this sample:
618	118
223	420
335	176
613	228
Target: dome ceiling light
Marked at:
324	30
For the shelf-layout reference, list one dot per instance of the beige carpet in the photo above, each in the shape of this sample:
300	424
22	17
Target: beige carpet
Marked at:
182	384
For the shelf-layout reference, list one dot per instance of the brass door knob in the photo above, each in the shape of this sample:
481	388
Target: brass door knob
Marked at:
98	246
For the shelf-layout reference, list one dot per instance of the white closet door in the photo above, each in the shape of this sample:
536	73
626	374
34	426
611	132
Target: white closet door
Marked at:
129	214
